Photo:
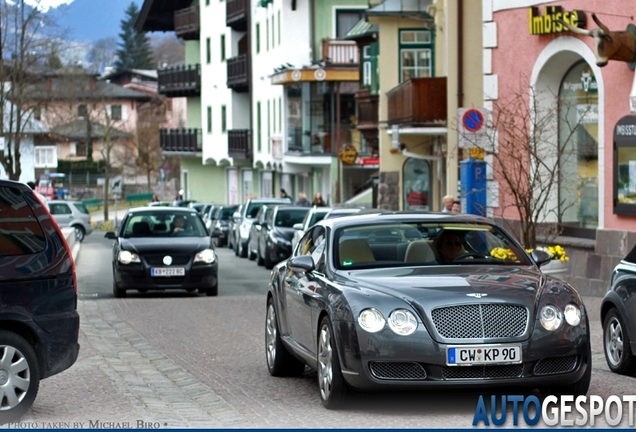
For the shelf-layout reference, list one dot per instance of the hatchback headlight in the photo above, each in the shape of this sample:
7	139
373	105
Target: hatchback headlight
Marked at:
371	320
550	317
206	255
572	314
402	322
127	257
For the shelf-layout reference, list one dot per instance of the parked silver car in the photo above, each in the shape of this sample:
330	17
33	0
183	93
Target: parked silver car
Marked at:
72	214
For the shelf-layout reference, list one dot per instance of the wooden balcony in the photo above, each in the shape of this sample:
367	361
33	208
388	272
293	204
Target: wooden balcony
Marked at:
180	140
238	73
236	14
180	81
239	144
368	106
186	23
418	102
340	52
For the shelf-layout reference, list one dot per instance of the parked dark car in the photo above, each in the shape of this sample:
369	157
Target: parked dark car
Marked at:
342	211
276	233
220	223
39	323
618	316
255	233
243	221
163	248
420	301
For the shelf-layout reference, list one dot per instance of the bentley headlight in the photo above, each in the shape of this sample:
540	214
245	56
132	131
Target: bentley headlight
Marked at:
572	314
371	320
126	257
551	317
402	322
206	255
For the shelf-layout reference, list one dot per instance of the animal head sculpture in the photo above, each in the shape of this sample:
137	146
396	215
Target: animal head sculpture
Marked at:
609	45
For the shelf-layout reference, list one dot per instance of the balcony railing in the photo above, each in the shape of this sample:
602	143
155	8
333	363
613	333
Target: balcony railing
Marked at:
367	109
180	140
239	143
338	52
186	23
180	81
418	102
238	73
236	14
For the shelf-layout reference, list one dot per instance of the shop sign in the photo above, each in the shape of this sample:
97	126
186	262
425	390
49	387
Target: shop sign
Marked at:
369	161
547	23
348	154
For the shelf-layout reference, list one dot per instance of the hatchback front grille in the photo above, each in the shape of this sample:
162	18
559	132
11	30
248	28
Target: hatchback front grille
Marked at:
480	372
397	370
157	260
555	365
480	321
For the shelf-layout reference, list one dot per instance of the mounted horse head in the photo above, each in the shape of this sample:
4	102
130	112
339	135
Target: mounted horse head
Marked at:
609	45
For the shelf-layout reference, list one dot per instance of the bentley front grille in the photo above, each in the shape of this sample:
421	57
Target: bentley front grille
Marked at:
397	370
480	372
480	321
555	365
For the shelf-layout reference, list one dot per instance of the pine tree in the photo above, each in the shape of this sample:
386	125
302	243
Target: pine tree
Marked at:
134	48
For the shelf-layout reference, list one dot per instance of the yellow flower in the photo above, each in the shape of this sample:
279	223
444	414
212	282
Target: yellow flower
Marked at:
557	252
504	254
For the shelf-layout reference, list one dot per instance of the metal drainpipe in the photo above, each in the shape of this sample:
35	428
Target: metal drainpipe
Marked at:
460	53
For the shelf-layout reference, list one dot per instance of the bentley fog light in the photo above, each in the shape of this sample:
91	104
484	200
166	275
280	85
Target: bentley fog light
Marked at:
126	257
371	320
402	322
572	314
206	255
550	317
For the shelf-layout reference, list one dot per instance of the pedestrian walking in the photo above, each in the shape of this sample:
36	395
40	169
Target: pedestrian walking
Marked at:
447	203
302	200
283	194
318	201
457	207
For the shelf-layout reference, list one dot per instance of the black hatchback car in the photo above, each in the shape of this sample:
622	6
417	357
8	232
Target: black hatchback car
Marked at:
163	248
618	316
39	323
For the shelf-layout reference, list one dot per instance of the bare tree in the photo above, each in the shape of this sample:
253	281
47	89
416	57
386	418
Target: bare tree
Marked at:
150	116
22	43
167	49
529	137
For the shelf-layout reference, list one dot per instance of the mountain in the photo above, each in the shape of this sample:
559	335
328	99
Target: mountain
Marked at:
89	20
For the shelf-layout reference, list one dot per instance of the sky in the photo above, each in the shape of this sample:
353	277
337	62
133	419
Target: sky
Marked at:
87	20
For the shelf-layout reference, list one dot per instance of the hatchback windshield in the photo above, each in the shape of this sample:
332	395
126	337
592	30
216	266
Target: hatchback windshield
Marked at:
163	224
408	244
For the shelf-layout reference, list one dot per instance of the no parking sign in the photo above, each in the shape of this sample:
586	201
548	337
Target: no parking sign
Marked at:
472	128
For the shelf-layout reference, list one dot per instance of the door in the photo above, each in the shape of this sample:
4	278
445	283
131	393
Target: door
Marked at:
62	213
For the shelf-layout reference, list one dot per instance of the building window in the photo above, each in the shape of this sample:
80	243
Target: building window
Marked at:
208	51
222	47
416	54
346	19
207	2
280	114
45	157
82	111
267	34
258	38
279	28
273	31
209	119
578	152
258	126
269	132
223	119
417	180
116	112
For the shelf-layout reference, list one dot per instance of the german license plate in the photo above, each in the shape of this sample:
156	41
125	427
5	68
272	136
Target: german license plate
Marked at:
168	271
483	354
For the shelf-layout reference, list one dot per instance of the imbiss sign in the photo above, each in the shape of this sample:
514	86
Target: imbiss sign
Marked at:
548	22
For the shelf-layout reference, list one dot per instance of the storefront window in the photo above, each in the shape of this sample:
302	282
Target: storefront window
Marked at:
417	180
625	166
578	155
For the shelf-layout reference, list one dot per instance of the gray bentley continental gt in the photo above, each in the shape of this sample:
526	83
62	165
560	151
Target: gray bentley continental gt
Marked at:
416	300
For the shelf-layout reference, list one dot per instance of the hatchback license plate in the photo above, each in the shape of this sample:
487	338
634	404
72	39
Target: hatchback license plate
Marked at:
483	354
170	271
